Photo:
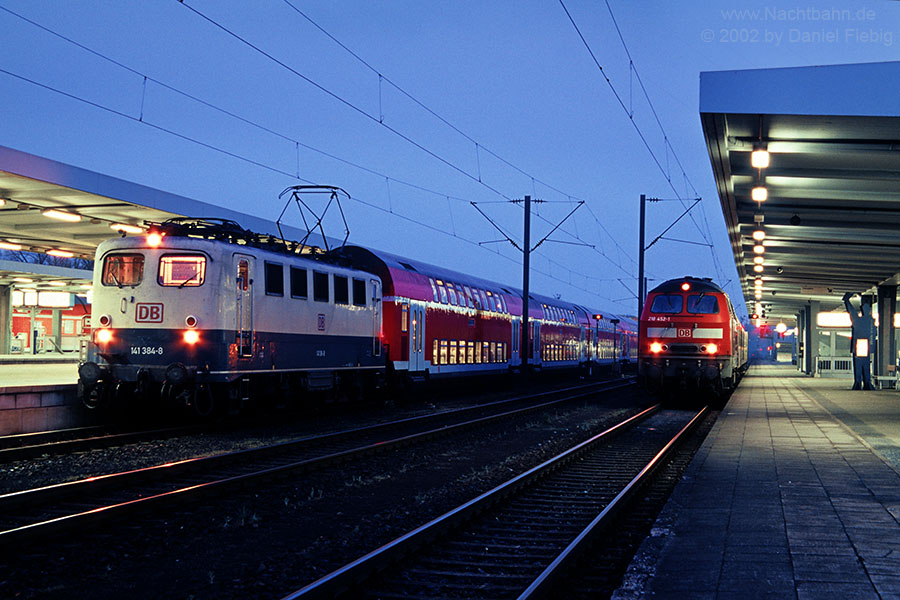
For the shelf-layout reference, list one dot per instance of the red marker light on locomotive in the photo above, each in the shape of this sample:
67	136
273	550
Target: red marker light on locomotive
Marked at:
685	286
655	347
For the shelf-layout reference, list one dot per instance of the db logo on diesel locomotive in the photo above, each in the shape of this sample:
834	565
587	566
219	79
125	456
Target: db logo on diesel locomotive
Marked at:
146	312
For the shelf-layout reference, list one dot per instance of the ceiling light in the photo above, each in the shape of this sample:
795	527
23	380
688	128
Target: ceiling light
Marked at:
759	159
134	229
758	268
759	235
56	283
758	282
60	253
22	279
759	248
2	201
757	294
61	215
759	194
758	260
10	246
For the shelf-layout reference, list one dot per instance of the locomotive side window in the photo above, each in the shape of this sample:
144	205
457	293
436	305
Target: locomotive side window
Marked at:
243	276
274	279
359	292
182	271
700	304
341	291
123	269
320	286
667	303
299	286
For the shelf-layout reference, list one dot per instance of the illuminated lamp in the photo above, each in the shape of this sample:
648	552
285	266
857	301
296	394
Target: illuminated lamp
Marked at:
56	283
781	328
759	249
759	194
759	235
191	337
134	229
22	280
154	238
758	282
60	253
711	348
2	201
759	158
758	268
87	286
759	260
685	286
104	336
10	246
655	347
758	294
61	215
600	317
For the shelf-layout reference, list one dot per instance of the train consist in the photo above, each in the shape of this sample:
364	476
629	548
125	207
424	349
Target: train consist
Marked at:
203	313
691	338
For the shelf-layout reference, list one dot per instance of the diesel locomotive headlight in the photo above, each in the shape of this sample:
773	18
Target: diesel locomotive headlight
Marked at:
191	336
711	348
103	336
656	348
89	373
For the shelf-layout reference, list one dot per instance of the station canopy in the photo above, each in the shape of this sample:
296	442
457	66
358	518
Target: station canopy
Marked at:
47	206
831	217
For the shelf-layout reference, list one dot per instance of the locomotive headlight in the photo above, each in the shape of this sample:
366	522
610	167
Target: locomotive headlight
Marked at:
191	337
656	347
104	336
711	348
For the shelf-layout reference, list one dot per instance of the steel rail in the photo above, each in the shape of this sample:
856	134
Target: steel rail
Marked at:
44	495
543	585
345	578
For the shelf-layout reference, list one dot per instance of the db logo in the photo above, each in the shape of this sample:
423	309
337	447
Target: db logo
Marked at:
148	313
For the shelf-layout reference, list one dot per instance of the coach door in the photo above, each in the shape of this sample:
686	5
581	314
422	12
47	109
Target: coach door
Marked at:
416	336
243	266
376	316
535	342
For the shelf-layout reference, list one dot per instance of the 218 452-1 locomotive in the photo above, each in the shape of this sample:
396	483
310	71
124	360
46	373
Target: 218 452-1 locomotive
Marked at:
691	339
204	314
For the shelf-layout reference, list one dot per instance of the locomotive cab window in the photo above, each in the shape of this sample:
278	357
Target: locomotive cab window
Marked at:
274	279
667	303
701	304
182	271
123	269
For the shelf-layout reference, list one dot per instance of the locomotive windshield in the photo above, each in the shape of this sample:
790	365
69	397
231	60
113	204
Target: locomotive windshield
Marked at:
667	303
123	269
701	304
182	271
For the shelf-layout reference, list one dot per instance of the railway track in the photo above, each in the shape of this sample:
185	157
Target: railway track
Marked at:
33	514
80	439
519	539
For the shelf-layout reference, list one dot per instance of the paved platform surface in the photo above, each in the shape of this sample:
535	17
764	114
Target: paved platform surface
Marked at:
22	373
795	494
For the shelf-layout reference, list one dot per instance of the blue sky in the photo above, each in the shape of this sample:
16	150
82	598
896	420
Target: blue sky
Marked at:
531	113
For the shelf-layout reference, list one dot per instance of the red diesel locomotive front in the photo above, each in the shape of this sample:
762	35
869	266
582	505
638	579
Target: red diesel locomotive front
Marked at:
690	338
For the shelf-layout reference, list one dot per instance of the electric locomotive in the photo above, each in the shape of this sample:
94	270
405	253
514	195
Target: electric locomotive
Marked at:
200	311
691	338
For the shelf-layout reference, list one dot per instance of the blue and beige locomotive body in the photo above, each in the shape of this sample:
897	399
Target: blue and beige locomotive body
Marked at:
196	320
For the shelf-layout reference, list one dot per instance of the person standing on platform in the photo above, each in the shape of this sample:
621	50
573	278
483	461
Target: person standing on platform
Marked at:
859	341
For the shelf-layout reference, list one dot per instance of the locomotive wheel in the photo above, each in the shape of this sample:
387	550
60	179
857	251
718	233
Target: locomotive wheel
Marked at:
202	401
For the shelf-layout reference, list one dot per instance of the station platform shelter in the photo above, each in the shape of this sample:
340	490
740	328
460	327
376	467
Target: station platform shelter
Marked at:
794	494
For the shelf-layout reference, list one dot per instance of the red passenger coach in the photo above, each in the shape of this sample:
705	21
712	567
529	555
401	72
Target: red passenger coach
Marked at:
690	338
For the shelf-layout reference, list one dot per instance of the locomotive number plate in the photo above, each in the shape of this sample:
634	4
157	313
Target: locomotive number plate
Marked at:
685	332
146	350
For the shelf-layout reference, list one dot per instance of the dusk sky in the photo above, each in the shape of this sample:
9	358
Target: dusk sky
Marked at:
443	104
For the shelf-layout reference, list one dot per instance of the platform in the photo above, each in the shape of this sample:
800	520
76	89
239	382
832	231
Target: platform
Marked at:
794	494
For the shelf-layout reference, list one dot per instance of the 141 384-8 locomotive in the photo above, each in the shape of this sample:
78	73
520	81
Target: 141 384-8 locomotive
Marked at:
202	313
691	338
